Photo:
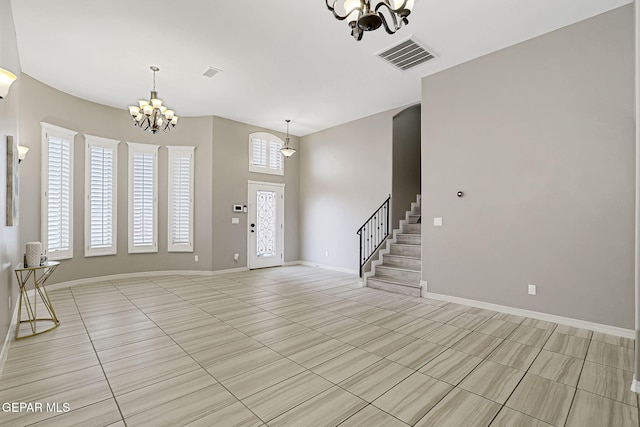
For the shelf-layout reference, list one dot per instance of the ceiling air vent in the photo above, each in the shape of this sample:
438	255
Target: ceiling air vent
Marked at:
211	72
406	54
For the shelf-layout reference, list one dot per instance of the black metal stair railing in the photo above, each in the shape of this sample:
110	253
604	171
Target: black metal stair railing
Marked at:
374	232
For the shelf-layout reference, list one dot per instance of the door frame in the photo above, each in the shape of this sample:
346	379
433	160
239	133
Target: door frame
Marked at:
250	213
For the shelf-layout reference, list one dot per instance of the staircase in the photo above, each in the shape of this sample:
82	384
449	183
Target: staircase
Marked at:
399	267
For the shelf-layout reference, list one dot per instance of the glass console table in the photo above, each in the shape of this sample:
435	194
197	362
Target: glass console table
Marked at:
40	274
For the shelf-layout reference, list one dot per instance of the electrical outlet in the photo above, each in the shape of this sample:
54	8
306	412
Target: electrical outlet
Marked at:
236	257
532	289
326	253
437	222
195	258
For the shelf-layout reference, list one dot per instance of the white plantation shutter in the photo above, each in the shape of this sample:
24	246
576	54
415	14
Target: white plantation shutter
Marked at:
181	173
264	153
275	156
101	166
259	152
57	182
143	201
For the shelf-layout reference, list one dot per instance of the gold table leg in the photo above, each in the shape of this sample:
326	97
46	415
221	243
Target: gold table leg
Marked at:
39	291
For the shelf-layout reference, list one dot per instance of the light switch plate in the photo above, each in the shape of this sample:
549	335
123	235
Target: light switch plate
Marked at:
532	289
235	220
437	222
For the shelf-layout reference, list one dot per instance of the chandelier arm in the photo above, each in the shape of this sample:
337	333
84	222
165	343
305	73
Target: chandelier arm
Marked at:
393	13
386	4
338	16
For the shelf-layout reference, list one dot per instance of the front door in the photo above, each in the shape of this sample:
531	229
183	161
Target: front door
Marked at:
266	225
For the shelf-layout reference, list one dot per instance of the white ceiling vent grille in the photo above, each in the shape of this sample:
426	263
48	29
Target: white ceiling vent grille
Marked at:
406	54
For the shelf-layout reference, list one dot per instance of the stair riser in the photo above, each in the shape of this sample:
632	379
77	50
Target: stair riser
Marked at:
402	262
404	276
406	250
413	219
409	239
390	287
412	228
417	210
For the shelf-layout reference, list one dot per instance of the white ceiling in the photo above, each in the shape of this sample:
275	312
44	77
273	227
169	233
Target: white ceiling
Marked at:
282	59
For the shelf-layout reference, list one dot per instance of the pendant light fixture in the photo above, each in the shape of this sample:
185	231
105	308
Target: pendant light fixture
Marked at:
287	150
152	115
6	78
369	15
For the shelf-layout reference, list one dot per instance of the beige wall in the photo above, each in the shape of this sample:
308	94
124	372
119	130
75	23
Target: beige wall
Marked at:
345	175
221	165
9	236
540	137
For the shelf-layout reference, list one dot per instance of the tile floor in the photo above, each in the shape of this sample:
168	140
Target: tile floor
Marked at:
300	346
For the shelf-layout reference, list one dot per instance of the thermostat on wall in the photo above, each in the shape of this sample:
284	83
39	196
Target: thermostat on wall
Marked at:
237	208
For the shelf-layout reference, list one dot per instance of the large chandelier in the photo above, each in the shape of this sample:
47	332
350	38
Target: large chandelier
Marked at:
152	115
367	15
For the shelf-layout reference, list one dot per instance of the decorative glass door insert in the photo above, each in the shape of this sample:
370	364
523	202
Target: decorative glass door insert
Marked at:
266	223
265	232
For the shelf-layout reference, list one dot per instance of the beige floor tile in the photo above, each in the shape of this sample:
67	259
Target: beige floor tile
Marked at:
387	344
101	413
299	342
417	354
372	416
395	321
127	338
279	398
608	382
575	332
373	381
477	344
345	365
320	353
264	326
213	355
530	335
253	381
151	374
540	324
135	349
468	321
418	328
590	410
611	339
340	326
164	393
328	408
185	408
451	366
492	381
611	355
446	335
543	399
557	367
443	315
569	345
410	400
497	328
235	415
460	408
482	312
509	318
509	418
515	355
243	362
362	335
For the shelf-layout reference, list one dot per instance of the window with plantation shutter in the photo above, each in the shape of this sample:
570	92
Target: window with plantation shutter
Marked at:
180	206
264	154
57	196
143	198
101	171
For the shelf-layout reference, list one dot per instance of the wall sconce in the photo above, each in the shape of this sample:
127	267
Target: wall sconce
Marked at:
6	78
22	153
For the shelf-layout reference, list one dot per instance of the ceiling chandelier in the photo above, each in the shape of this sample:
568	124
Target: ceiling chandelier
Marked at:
152	115
367	15
287	150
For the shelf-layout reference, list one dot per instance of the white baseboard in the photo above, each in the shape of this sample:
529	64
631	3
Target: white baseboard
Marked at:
329	267
4	353
635	385
576	323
